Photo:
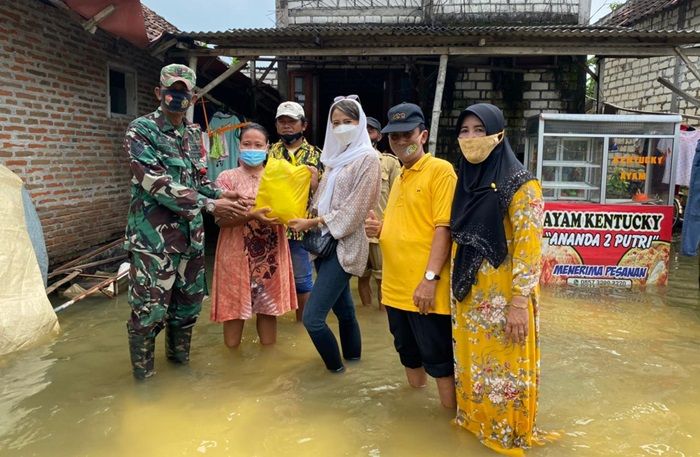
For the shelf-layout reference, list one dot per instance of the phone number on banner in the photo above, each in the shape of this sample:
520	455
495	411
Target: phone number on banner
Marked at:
599	282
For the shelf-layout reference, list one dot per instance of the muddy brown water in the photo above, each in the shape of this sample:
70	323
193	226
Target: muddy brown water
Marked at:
620	377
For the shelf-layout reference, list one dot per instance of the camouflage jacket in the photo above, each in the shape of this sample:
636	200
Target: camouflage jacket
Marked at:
305	155
169	186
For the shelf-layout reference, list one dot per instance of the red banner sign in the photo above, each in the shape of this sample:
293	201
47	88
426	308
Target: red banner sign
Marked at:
595	245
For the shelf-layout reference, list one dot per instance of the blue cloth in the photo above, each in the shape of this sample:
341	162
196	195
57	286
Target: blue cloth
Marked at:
301	264
690	236
332	291
215	167
36	234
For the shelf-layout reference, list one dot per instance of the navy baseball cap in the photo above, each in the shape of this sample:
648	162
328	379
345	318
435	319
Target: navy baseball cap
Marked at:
374	123
404	117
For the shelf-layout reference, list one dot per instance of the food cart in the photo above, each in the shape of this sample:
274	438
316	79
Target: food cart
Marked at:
608	186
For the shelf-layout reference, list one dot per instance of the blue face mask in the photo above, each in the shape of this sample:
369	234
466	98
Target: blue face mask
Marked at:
253	157
176	101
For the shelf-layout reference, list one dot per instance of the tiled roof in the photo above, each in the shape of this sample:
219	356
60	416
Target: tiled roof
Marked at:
634	11
156	25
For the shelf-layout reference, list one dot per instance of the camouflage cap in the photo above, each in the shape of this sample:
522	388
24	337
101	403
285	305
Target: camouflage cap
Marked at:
174	72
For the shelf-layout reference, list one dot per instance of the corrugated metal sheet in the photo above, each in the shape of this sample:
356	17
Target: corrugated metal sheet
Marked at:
412	35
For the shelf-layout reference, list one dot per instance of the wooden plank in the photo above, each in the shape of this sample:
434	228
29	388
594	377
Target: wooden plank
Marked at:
88	265
91	25
90	291
59	283
266	72
89	255
86	275
163	46
437	104
600	85
691	66
222	77
681	93
639	111
192	63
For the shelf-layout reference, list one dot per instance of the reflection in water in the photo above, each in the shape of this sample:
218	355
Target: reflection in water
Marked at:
620	377
21	378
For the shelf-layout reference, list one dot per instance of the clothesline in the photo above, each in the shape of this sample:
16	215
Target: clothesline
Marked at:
222	129
226	128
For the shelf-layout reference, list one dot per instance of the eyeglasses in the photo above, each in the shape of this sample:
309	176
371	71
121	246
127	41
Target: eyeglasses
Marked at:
347	97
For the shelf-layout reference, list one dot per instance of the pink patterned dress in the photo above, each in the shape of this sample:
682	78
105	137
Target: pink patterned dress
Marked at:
253	266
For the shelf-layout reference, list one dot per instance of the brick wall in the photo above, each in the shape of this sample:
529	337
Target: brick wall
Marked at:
555	87
299	12
56	132
631	83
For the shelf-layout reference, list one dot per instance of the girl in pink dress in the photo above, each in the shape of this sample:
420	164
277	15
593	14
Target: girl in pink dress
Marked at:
253	269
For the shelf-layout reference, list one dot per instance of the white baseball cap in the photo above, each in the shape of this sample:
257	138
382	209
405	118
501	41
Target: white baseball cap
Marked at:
291	109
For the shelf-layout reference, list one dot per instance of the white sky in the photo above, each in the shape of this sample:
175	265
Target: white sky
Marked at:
218	15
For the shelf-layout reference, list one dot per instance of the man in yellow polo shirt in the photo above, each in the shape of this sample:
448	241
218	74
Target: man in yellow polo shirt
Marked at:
415	242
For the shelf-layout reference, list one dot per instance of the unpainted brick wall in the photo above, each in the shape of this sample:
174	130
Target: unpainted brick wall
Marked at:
558	88
631	83
304	12
56	133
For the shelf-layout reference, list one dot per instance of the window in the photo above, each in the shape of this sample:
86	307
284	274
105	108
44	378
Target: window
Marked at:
122	92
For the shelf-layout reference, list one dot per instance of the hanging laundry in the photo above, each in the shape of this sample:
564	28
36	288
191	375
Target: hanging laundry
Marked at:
684	162
218	149
224	148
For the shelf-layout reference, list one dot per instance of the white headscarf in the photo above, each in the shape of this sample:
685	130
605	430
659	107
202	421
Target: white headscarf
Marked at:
336	156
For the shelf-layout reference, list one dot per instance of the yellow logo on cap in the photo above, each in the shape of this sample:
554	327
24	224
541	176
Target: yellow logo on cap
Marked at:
398	116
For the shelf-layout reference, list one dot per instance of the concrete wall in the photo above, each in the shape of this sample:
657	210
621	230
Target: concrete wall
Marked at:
57	134
299	12
631	83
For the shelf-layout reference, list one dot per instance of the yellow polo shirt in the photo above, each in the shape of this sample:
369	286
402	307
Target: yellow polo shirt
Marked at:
420	200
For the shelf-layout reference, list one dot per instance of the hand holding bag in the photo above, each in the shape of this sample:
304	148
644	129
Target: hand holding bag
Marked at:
319	245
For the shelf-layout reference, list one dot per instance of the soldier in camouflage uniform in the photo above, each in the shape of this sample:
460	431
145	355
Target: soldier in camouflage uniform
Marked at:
290	122
165	232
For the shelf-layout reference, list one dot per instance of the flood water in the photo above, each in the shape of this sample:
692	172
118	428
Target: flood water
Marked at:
620	377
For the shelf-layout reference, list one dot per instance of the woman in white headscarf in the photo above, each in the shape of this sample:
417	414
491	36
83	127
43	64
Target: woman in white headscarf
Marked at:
348	190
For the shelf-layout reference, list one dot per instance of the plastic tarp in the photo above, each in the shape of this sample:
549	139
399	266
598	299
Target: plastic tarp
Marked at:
26	315
36	234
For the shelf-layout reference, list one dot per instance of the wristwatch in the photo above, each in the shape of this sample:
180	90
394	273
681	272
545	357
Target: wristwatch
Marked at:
210	206
431	276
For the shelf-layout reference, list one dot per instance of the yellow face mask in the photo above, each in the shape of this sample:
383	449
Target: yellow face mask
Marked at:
476	150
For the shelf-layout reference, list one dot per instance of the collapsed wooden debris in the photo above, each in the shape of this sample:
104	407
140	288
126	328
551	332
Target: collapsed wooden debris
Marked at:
84	269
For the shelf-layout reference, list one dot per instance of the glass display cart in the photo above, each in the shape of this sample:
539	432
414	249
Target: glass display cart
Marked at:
607	181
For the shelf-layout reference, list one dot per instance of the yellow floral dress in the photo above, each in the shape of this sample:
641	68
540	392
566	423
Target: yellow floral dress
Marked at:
497	381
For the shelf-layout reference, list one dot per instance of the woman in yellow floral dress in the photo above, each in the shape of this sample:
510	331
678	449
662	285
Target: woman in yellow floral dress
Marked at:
496	227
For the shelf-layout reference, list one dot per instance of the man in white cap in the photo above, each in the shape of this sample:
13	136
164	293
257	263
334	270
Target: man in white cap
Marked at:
293	147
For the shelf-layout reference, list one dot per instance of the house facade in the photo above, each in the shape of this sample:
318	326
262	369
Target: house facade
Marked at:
522	84
66	98
632	82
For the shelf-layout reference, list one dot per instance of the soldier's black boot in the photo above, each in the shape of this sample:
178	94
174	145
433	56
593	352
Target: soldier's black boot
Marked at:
142	350
177	342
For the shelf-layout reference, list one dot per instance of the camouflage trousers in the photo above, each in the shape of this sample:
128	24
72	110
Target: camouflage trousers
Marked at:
165	289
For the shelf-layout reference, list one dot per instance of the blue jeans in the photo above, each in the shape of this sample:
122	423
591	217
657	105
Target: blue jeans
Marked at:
301	264
332	291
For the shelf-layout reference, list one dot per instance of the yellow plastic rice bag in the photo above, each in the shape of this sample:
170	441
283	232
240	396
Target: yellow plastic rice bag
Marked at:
285	189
